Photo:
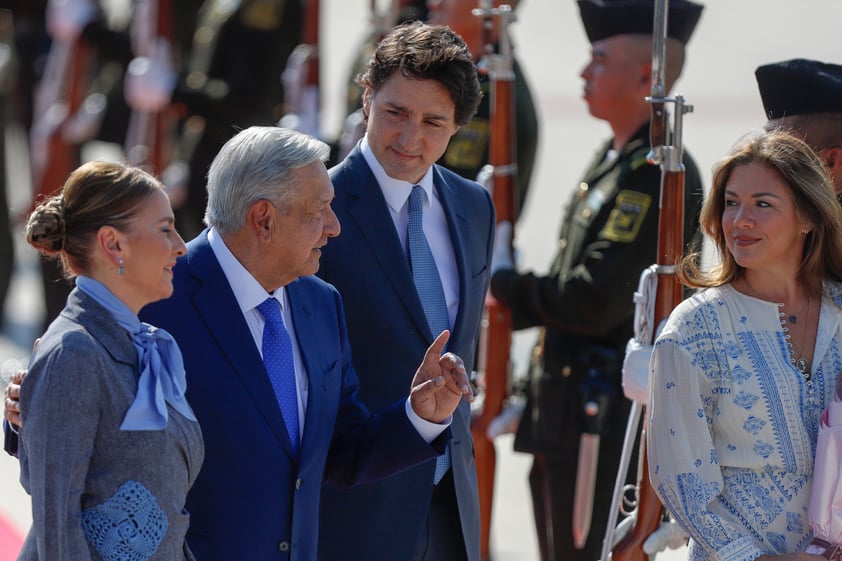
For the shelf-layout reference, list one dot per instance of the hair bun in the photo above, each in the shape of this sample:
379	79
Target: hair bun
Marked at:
47	226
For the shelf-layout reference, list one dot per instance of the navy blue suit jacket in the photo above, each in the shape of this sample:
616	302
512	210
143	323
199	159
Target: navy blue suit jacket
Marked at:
253	500
388	332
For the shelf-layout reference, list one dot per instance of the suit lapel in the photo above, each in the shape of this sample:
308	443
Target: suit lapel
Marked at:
312	354
215	303
374	223
457	223
99	322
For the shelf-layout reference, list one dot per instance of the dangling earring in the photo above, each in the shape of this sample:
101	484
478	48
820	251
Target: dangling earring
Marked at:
120	269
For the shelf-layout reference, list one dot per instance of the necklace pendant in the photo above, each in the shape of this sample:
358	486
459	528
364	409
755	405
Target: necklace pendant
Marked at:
792	319
803	366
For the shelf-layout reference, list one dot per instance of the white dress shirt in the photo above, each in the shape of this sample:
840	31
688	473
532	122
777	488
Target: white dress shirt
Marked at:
250	294
435	225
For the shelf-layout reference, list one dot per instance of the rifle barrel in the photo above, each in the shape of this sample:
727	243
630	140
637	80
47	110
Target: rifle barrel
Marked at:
496	332
649	510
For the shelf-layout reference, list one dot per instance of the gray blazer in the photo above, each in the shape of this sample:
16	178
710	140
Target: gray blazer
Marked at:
96	489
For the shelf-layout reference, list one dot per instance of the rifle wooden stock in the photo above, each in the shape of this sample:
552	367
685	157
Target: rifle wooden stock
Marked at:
312	82
151	135
163	135
310	36
495	348
69	87
649	511
301	77
670	242
496	334
497	340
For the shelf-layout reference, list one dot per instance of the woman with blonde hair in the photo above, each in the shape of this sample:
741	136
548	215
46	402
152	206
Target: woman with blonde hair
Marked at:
109	445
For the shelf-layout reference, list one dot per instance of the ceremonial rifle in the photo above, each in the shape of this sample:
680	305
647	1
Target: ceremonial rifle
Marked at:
668	153
150	135
60	96
496	332
301	77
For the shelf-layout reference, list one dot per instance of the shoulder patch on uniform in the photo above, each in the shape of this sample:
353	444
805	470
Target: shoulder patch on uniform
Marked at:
263	15
626	217
467	148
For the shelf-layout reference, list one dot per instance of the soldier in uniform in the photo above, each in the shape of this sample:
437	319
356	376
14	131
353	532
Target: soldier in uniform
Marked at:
102	115
805	97
585	303
229	78
467	151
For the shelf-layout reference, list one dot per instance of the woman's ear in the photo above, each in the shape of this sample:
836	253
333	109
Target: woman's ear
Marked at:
111	242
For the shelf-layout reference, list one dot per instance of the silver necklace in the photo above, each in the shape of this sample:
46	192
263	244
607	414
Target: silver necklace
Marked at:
801	363
793	318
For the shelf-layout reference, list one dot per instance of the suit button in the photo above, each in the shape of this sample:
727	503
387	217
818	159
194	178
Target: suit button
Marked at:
283	546
297	484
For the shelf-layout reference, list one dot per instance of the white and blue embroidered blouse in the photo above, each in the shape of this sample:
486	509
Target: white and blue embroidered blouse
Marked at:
733	424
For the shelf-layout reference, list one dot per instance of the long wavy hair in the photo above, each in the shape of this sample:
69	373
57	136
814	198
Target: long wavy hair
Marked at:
812	193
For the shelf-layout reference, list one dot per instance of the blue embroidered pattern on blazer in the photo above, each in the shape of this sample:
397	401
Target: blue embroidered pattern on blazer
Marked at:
129	526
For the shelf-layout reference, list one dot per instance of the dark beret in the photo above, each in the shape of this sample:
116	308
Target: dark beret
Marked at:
605	18
798	86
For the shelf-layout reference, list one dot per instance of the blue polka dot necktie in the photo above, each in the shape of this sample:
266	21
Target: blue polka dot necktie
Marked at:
277	357
428	284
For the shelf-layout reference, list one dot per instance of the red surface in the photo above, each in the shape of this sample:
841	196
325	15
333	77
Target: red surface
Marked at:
11	540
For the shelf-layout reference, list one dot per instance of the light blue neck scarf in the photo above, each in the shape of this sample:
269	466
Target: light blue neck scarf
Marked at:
162	379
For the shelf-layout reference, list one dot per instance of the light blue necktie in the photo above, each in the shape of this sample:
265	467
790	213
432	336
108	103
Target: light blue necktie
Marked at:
277	357
428	284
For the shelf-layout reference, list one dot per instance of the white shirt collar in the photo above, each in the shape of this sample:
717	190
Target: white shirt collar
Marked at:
396	191
247	291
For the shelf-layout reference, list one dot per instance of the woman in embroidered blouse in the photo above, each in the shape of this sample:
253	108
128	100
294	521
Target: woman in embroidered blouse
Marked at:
742	369
109	444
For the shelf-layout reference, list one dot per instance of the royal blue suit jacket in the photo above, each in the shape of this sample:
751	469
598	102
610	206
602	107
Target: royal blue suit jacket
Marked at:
253	500
389	334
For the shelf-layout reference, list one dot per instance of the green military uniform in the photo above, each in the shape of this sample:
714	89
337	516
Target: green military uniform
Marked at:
585	304
110	52
467	151
231	80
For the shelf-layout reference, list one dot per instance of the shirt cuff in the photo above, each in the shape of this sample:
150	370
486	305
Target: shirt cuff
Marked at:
427	430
